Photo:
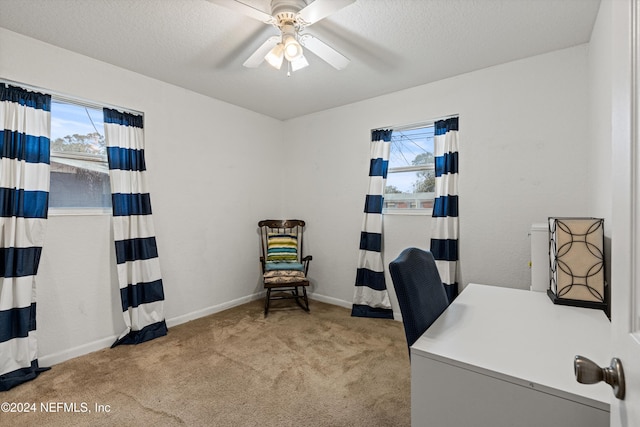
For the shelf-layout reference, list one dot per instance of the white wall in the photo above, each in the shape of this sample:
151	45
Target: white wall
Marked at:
205	159
523	158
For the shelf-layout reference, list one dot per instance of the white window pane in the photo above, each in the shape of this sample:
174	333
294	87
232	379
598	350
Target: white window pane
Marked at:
411	147
411	175
411	182
79	169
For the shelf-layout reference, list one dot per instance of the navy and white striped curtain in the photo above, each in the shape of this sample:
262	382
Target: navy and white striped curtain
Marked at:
445	228
141	289
25	132
371	298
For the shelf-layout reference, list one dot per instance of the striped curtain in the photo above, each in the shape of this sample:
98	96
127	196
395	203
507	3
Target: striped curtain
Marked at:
444	229
141	289
371	298
25	132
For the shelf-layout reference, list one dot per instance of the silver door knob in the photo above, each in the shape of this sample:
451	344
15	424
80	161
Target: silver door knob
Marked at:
588	372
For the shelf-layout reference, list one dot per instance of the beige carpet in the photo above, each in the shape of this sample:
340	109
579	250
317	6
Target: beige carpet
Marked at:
234	368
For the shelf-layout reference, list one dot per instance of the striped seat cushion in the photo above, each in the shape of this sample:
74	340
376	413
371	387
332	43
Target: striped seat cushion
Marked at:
282	247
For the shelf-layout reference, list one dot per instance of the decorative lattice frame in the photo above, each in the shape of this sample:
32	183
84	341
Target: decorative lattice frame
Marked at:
577	264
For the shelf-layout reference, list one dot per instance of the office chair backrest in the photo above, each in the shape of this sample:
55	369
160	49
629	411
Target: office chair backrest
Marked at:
420	291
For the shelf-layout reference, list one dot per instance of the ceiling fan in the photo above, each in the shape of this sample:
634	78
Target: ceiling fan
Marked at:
291	17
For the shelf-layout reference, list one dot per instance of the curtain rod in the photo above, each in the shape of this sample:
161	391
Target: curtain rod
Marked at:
418	124
69	98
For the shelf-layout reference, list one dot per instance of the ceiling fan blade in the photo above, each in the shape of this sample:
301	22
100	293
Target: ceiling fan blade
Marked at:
320	9
324	51
245	9
258	56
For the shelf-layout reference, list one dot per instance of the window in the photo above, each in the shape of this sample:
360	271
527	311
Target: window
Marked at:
411	173
79	168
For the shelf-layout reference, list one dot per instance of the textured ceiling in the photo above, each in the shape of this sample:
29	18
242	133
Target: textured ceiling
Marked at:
392	44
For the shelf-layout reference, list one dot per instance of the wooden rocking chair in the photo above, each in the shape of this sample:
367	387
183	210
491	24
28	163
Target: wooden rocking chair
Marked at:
284	265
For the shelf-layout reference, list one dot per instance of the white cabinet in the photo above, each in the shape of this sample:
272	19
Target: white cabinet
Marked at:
500	357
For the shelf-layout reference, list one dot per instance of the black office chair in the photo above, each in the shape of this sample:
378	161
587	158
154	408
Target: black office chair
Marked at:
419	289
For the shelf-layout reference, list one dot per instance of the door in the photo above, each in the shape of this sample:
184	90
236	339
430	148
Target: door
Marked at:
625	234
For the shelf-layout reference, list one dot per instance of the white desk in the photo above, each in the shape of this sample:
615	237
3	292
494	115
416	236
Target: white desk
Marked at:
500	357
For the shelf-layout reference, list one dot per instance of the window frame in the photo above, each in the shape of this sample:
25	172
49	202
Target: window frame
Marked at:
78	210
418	168
61	97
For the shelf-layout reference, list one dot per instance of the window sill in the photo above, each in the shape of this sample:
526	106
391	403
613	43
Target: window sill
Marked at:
402	212
79	211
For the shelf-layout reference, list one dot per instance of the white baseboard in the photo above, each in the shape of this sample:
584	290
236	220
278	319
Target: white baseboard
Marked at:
174	321
81	350
330	300
345	304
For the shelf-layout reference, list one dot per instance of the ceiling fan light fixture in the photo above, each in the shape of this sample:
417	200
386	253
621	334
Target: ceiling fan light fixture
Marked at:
292	49
291	17
275	56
